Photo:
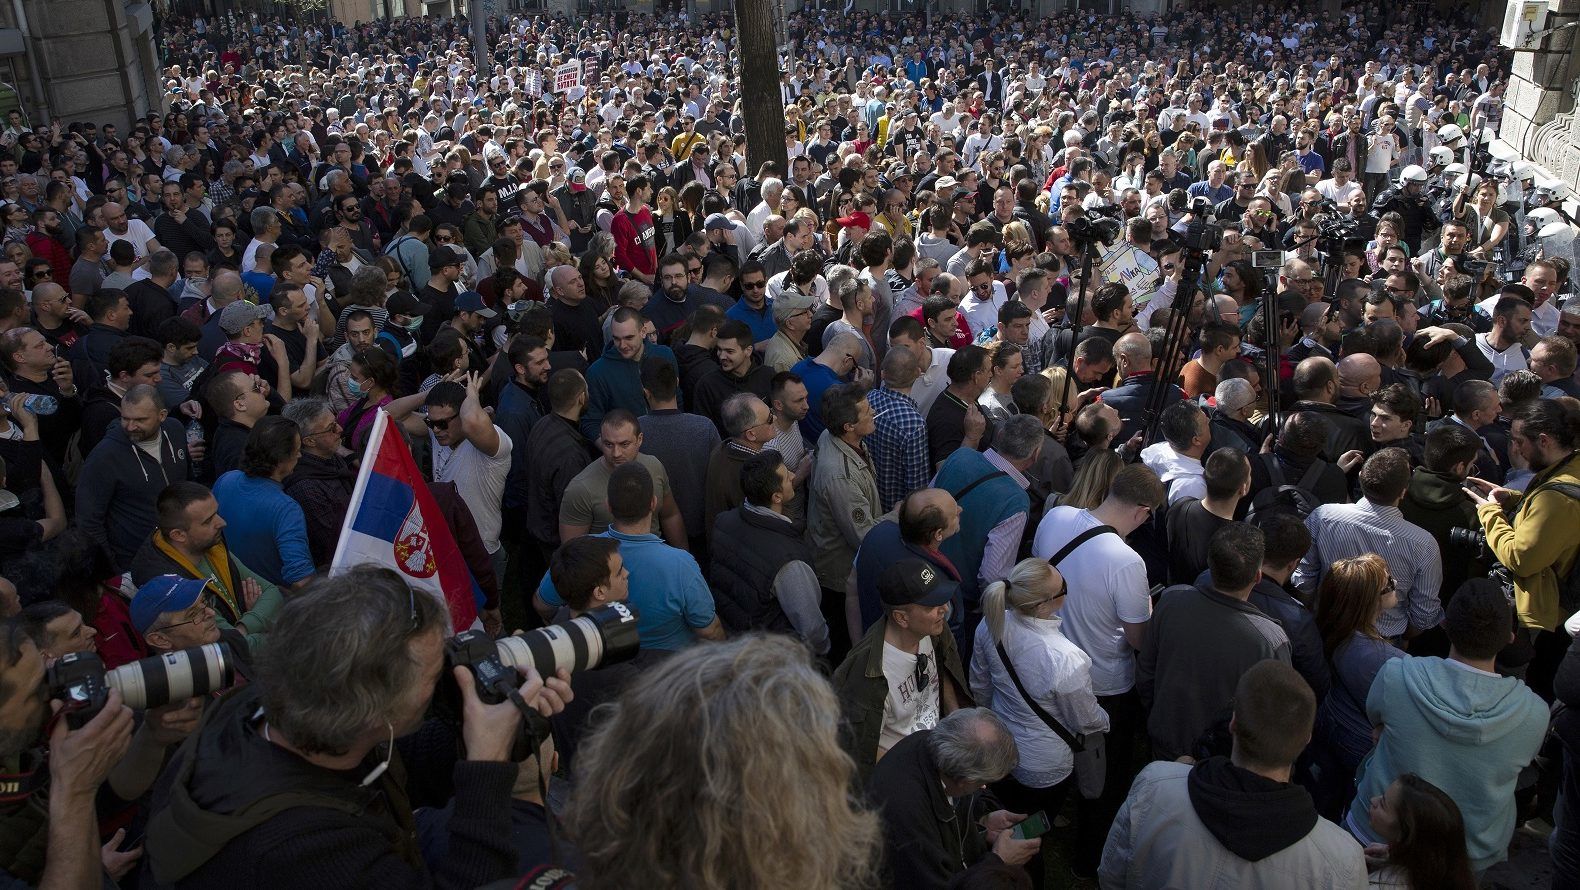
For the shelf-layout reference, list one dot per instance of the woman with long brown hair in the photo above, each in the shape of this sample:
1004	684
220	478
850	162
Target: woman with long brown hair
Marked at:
1425	839
1353	594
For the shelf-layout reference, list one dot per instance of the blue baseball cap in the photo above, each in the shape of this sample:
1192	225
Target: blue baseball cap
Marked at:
166	593
472	301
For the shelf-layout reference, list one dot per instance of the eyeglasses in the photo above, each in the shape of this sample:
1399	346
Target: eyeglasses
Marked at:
693	270
1391	587
985	287
204	611
334	427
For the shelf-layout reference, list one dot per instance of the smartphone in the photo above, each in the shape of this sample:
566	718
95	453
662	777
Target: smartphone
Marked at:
1035	825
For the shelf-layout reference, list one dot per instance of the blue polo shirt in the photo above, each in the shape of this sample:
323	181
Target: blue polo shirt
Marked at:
761	323
667	590
264	527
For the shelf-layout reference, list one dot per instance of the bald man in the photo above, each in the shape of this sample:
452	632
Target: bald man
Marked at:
1133	359
1317	384
916	528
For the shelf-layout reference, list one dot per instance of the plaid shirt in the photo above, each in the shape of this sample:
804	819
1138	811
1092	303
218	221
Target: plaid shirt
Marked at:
898	446
1030	352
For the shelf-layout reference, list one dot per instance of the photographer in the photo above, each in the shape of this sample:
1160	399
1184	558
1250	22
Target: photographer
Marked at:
1540	544
294	781
49	838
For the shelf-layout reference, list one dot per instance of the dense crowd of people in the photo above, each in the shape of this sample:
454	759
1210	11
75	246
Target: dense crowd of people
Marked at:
1159	430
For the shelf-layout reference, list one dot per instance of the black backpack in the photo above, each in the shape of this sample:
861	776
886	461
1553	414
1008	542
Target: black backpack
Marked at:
1569	585
1280	496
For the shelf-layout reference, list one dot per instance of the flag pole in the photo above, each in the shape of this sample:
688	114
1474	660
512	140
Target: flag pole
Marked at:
374	441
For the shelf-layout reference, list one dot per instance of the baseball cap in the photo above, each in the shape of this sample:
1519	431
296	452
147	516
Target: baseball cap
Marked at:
788	304
236	316
855	219
472	301
444	255
403	303
717	221
578	181
915	582
945	184
165	593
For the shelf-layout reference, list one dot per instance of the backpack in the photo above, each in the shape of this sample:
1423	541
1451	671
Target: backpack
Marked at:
1280	496
1568	585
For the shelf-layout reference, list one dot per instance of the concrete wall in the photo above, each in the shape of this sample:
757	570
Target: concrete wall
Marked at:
95	58
1539	118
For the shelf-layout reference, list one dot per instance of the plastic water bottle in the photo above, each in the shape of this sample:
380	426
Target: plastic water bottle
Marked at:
40	405
194	432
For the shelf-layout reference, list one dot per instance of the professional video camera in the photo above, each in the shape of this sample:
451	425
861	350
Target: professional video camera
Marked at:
605	635
80	680
1201	233
1334	224
1088	230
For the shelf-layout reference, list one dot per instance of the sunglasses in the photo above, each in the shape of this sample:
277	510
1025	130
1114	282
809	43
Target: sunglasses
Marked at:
438	424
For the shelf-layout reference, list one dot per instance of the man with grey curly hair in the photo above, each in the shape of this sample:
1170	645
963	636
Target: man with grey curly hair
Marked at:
946	770
295	780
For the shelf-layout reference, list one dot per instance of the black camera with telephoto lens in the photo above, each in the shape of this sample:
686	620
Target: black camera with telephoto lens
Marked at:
605	635
81	682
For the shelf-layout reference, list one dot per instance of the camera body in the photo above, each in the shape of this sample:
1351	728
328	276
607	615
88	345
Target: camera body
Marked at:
80	680
605	635
475	650
1202	234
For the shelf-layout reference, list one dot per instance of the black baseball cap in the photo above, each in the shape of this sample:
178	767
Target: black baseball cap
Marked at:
915	582
403	303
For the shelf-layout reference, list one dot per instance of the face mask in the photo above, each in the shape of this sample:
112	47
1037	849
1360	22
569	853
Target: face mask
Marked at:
355	389
413	324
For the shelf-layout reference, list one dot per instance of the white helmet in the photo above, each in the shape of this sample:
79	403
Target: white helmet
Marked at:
1412	173
1544	219
1449	134
1547	191
1441	156
1524	170
1453	170
1467	181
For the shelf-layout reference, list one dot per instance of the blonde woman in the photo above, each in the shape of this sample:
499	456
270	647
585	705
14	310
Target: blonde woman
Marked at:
1020	623
1092	479
748	733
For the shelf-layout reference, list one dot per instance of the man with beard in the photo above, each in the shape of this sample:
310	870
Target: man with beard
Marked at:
738	372
676	298
47	241
124	474
52	831
322	480
1543	539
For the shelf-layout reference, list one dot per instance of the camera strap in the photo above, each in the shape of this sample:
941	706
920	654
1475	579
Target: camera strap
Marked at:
18	786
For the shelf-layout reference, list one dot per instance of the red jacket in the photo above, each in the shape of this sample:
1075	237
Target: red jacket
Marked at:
59	258
633	242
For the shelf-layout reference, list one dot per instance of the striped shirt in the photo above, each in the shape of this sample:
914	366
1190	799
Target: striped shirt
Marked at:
1344	531
897	445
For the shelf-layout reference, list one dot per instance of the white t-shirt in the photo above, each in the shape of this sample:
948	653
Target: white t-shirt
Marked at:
1511	359
1338	194
1108	585
137	234
908	708
478	478
1380	153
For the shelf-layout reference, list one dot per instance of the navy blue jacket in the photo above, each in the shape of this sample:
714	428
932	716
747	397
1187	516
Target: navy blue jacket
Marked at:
1130	399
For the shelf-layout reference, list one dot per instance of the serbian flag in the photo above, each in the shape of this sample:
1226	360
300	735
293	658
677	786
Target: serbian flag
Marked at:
393	521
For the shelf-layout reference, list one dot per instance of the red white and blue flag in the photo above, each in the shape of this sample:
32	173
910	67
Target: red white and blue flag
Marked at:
394	521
